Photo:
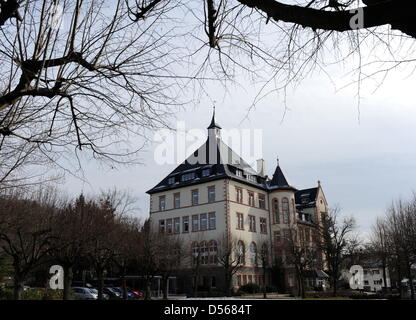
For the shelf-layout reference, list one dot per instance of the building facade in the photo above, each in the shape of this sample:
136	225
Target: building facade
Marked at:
214	201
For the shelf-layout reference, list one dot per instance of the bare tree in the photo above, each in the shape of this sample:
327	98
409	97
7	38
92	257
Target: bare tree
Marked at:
231	257
168	259
380	246
25	231
63	60
302	254
265	261
334	237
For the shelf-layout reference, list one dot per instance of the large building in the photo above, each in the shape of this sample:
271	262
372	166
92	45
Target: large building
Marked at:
215	199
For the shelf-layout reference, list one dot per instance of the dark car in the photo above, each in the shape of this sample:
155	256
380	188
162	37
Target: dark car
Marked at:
113	293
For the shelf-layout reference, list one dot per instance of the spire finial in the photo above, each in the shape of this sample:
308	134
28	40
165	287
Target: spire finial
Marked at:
213	123
278	161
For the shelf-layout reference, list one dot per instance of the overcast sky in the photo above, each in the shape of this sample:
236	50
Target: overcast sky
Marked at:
363	155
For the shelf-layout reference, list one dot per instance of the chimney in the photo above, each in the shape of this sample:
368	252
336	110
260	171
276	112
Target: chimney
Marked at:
261	167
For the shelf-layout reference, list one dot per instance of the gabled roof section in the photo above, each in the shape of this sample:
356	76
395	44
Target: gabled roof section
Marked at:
306	198
212	161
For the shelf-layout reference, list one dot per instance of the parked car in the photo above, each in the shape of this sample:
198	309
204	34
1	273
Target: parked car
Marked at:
95	291
130	294
112	293
84	293
137	293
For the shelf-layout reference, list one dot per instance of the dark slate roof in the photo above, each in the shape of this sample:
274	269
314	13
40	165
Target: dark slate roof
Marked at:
306	198
317	273
279	181
221	161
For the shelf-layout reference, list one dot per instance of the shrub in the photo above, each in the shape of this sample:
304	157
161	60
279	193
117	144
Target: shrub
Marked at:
250	288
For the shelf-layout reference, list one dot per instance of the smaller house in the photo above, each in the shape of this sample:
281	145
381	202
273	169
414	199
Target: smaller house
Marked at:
374	278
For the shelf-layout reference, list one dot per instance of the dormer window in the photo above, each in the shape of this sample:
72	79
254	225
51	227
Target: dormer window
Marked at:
239	173
251	177
188	176
171	180
205	172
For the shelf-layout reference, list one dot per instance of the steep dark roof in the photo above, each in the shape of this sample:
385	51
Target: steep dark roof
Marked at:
279	180
306	198
221	161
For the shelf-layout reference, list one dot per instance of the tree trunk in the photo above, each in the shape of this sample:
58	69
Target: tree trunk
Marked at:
124	285
100	276
195	285
17	288
409	275
228	282
68	274
384	275
264	284
165	281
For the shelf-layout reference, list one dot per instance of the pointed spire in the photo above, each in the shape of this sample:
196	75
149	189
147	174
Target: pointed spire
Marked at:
214	123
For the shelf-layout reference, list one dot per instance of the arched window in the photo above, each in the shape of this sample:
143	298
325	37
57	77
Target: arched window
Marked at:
241	252
203	252
264	254
195	253
213	252
285	210
253	254
276	213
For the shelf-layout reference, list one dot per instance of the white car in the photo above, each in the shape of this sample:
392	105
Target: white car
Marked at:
83	293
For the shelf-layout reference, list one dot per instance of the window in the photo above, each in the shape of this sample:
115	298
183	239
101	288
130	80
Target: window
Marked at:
276	214
195	252
211	221
203	252
239	192
241	252
161	226
211	194
307	235
262	201
213	252
263	225
177	225
171	180
188	176
252	223
277	237
366	282
195	223
203	222
169	225
205	172
286	235
253	254
251	178
285	210
239	173
376	271
177	200
240	221
264	254
195	197
162	203
251	199
185	224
